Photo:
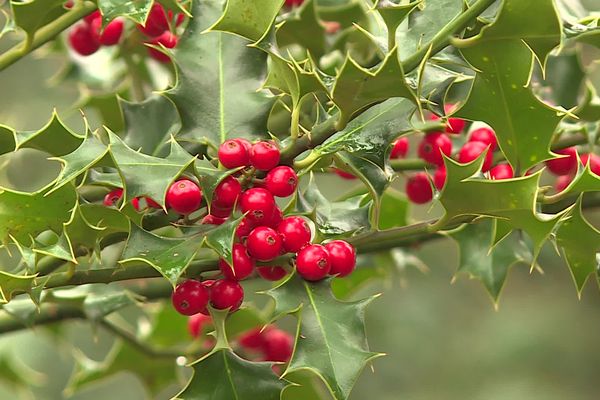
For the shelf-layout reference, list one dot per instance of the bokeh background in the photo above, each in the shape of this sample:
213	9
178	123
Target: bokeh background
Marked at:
443	340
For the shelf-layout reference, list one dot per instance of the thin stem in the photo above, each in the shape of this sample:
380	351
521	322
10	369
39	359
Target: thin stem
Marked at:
137	83
46	33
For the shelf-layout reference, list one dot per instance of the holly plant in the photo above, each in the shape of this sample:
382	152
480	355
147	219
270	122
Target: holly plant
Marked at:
192	222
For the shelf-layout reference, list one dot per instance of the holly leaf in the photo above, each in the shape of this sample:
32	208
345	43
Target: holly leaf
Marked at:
145	175
303	27
503	54
393	210
331	339
209	177
14	284
61	248
224	375
32	15
137	10
93	222
150	124
584	181
217	80
480	260
580	243
169	256
107	106
393	14
221	238
249	19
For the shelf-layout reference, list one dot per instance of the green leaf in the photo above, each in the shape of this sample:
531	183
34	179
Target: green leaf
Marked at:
209	177
249	19
107	106
93	222
303	28
393	210
584	181
169	256
500	96
580	243
14	284
221	238
100	303
23	215
32	15
489	264
150	124
218	76
135	10
393	13
331	339
333	218
146	175
61	249
224	375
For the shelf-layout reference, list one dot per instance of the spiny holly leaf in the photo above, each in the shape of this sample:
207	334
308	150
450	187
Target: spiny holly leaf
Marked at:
393	14
107	105
32	15
584	181
54	138
217	80
333	218
93	222
135	10
148	175
331	339
224	375
488	264
221	238
500	96
100	303
61	249
512	199
585	33
14	284
580	243
150	124
304	28
249	19
23	215
393	209
209	177
357	87
169	256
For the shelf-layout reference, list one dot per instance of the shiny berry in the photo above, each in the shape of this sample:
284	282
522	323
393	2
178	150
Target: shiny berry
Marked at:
433	146
196	324
563	165
294	232
312	262
400	148
190	297
439	178
168	40
233	154
282	181
418	188
246	143
342	257
258	203
594	162
502	171
264	156
184	196
111	34
220	212
484	135
264	243
243	265
253	339
156	23
82	40
244	228
227	192
454	125
271	273
343	174
562	182
88	19
278	345
226	294
472	150
212	220
112	197
275	219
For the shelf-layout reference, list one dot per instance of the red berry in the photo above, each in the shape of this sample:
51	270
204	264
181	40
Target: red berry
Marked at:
562	182
281	181
264	156
88	19
178	19
439	178
264	243
212	220
149	203
190	297
275	219
227	192
312	262
253	339
418	188
400	148
112	197
342	257
111	34
484	135
343	174
273	273
258	203
433	146
82	40
246	143
184	196
454	125
136	203
292	3
594	162
196	323
220	212
243	265
278	345
472	150
226	294
168	40
244	228
294	232
156	23
233	154
564	165
502	171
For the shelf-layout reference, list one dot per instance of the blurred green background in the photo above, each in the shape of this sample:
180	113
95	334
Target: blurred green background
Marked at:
443	340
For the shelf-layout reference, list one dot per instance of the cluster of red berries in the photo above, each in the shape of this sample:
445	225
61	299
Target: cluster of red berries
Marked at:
86	37
192	296
565	167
